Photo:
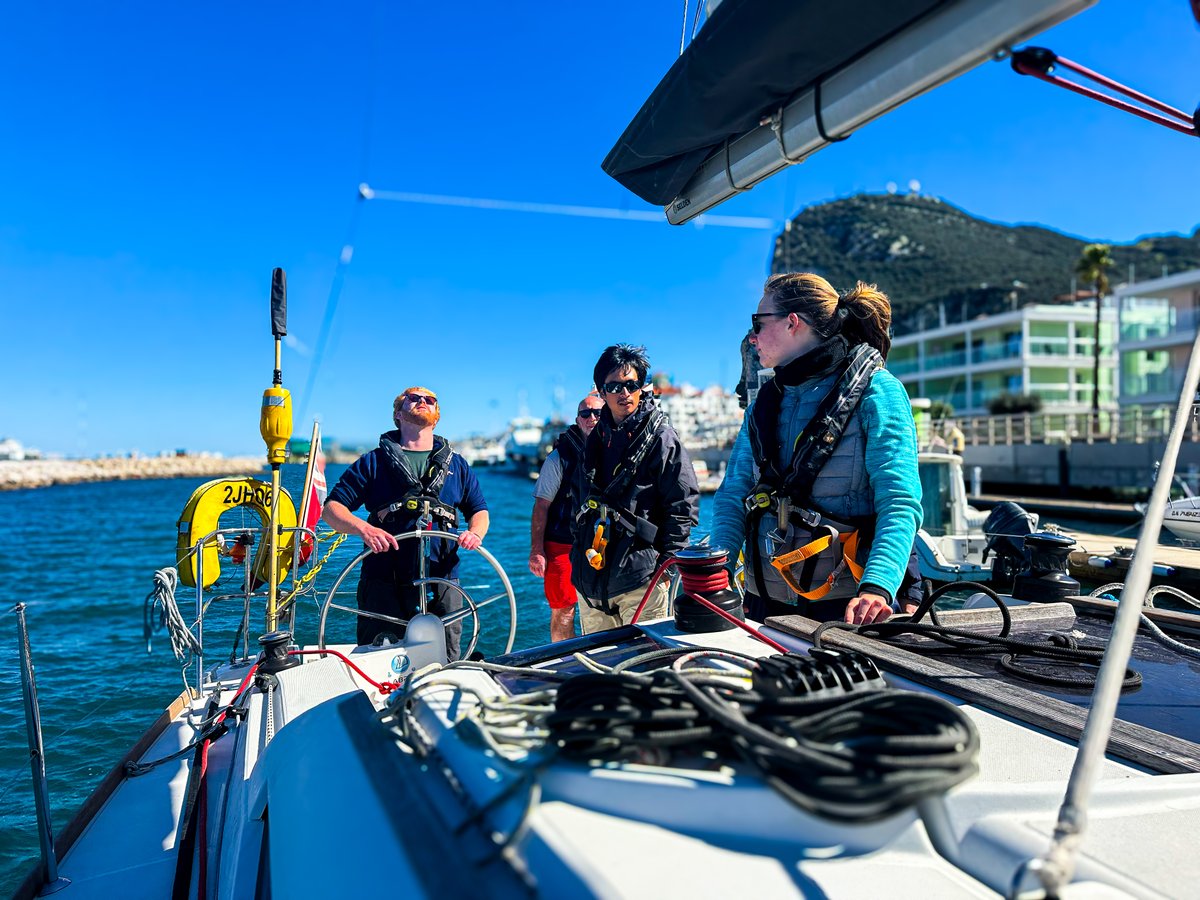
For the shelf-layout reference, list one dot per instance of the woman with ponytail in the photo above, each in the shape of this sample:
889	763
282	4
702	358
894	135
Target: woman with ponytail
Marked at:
822	484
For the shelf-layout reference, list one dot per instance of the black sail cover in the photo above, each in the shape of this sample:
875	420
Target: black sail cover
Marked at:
750	57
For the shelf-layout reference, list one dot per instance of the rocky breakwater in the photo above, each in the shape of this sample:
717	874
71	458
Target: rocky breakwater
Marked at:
32	473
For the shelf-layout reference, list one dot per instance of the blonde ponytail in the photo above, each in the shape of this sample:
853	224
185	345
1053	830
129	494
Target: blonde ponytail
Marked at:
868	318
862	314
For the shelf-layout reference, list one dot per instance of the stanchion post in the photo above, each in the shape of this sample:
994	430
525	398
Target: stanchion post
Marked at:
37	760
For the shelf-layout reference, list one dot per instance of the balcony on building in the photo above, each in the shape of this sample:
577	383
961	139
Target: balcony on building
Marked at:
1039	349
1158	323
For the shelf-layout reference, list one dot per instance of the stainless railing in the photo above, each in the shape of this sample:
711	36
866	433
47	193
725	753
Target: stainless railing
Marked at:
1134	424
245	595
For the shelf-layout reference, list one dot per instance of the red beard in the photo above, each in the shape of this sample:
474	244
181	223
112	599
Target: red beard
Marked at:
422	417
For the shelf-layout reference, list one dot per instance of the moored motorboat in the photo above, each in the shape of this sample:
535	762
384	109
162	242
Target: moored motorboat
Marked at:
1182	518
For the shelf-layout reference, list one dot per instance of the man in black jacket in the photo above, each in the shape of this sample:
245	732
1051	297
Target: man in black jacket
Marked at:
636	496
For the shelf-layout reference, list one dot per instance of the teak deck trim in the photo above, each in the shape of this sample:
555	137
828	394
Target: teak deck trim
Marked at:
1137	744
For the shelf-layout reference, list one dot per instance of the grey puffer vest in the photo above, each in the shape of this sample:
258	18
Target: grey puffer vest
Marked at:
842	490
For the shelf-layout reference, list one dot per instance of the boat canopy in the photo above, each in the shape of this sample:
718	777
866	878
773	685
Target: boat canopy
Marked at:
768	83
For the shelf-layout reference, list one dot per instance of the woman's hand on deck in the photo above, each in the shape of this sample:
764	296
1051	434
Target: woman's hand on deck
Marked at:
867	608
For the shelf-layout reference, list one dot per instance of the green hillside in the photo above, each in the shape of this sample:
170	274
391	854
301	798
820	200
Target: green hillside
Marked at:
931	256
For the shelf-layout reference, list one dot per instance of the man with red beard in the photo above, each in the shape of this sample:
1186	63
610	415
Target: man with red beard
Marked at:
412	480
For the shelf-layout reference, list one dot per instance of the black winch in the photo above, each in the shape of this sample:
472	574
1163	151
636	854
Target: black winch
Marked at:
702	572
274	657
1046	576
1006	527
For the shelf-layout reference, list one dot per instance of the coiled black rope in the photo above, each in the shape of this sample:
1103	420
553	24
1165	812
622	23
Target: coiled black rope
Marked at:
625	717
1083	661
854	756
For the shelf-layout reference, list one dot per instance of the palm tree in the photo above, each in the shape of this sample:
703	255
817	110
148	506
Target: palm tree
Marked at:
1093	266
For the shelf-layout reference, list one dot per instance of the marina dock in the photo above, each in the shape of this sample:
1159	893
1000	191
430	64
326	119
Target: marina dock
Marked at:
1176	566
1050	508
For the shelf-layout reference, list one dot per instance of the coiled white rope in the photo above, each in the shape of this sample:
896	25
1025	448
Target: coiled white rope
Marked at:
161	601
1172	591
1151	628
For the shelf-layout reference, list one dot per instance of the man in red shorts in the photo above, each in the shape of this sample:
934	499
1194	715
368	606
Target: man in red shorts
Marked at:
553	519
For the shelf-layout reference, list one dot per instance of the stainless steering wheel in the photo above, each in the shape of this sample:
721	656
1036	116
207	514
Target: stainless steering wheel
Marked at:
471	607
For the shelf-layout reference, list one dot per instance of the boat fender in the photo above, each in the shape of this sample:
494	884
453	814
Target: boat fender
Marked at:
201	516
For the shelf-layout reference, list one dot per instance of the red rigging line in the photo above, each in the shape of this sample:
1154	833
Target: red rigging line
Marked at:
1041	63
695	582
385	688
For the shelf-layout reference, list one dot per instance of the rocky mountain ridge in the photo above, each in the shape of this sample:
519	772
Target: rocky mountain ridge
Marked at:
936	260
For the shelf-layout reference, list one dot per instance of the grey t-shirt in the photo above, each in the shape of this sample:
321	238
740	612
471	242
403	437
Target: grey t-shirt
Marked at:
549	478
418	459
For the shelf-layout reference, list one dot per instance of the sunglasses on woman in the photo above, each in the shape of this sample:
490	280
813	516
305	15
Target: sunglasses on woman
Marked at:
629	387
414	399
756	319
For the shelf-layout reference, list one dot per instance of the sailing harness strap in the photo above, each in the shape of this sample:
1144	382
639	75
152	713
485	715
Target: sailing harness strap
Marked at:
789	493
1041	63
421	498
599	503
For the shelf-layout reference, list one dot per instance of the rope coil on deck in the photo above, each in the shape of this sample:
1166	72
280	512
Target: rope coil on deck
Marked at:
854	754
1106	590
1016	657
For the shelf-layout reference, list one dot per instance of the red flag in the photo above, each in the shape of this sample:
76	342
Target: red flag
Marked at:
315	490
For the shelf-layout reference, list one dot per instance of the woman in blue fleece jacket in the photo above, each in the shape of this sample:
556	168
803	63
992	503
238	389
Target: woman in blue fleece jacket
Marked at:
811	336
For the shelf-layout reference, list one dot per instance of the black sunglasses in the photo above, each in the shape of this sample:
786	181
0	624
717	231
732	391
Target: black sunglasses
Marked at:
421	398
588	414
629	387
756	319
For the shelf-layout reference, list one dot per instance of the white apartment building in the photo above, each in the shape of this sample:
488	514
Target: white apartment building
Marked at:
709	418
1039	349
1158	321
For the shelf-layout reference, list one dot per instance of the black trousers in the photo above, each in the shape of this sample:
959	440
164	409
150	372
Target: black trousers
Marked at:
402	602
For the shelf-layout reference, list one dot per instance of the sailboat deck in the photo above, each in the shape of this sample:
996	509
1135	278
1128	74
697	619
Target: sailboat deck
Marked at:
335	797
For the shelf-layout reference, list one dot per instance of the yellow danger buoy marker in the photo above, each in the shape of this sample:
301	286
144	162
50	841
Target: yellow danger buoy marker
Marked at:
275	426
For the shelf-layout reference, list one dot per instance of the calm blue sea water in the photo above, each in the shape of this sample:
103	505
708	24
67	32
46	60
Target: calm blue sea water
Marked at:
82	557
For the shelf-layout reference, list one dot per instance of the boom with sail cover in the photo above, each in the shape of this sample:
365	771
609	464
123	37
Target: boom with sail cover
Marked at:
766	84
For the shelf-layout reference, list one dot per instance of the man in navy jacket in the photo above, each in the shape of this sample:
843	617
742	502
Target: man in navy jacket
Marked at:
412	480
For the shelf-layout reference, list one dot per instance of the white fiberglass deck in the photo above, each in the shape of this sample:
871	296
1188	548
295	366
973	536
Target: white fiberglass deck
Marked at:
350	812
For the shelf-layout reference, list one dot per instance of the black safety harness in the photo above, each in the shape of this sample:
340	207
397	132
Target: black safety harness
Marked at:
788	492
600	504
420	506
598	501
560	519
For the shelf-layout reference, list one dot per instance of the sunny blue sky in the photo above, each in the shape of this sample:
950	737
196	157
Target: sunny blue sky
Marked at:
158	159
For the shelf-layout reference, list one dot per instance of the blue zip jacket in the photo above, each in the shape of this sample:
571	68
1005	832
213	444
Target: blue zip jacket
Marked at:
884	482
